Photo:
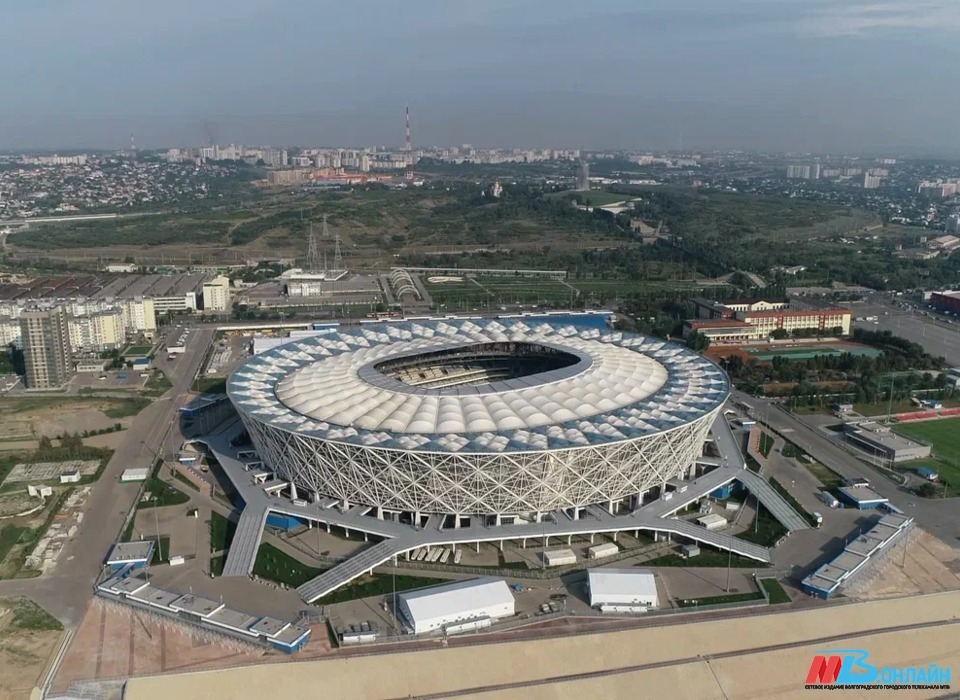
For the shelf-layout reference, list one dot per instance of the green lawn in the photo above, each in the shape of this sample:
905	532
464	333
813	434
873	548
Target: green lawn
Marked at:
774	591
768	530
162	494
161	553
766	444
137	350
944	435
711	558
9	537
789	498
824	475
277	566
221	532
184	480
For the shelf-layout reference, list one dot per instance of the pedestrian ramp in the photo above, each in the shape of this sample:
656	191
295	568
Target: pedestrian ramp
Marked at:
685	528
775	503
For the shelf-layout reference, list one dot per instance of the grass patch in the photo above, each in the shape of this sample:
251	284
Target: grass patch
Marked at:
137	350
766	444
10	536
127	407
157	384
826	476
184	480
162	494
944	435
719	599
161	552
216	565
27	615
708	558
376	585
210	385
774	591
277	566
222	531
768	530
791	451
788	497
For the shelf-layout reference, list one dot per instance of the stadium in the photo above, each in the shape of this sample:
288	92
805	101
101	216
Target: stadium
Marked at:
497	419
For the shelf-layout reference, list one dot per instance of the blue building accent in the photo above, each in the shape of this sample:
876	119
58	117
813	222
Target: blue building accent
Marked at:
283	522
726	490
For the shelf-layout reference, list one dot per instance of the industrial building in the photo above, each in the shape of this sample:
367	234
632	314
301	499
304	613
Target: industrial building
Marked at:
861	496
878	440
947	301
857	556
46	348
622	590
456	607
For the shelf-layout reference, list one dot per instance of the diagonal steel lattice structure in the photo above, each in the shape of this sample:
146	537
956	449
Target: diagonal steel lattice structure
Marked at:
427	416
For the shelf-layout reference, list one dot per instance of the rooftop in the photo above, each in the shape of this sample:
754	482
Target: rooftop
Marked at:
862	494
124	552
451	599
195	604
620	386
622	582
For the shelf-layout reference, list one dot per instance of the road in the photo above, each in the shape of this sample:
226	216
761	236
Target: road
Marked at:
66	591
937	516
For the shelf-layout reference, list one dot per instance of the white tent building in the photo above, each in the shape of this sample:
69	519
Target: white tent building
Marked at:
457	606
622	590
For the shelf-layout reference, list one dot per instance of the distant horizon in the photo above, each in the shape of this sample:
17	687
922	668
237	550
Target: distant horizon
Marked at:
824	76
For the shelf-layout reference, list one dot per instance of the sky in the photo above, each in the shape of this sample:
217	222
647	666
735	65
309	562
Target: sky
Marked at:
869	76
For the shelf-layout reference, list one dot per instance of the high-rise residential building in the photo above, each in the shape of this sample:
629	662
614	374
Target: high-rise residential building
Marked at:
815	171
871	182
46	348
801	172
216	294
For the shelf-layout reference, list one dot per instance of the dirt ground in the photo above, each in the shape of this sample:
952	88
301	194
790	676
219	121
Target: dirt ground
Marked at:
24	655
113	642
929	566
52	419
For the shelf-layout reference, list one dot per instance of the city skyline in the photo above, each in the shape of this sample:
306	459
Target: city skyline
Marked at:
827	76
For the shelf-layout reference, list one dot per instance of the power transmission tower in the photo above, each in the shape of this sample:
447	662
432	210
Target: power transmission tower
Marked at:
313	255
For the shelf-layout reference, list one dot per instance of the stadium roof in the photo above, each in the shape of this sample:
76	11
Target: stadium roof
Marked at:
620	386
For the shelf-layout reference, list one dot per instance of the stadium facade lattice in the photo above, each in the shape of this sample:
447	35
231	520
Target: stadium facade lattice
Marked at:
478	417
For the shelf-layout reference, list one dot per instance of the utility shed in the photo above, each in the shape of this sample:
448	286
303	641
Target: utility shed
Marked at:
451	605
622	589
134	474
608	549
713	521
559	557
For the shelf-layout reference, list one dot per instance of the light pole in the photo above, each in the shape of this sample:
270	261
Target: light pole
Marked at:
156	522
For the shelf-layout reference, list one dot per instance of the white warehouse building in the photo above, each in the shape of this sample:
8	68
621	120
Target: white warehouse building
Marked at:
458	606
622	590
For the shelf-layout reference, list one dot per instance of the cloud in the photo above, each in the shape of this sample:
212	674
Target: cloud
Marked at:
865	19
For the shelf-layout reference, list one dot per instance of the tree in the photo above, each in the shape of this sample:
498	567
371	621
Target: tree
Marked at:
698	341
927	490
779	333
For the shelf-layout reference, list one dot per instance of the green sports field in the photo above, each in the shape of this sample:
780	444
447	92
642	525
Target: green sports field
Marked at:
944	435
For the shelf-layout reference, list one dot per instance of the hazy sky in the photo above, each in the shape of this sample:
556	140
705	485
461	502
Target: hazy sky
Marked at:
812	75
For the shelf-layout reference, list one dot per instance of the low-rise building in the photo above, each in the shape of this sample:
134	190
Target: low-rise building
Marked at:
622	590
474	602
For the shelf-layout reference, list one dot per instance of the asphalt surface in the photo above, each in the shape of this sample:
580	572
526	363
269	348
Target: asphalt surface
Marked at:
940	517
937	337
66	591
